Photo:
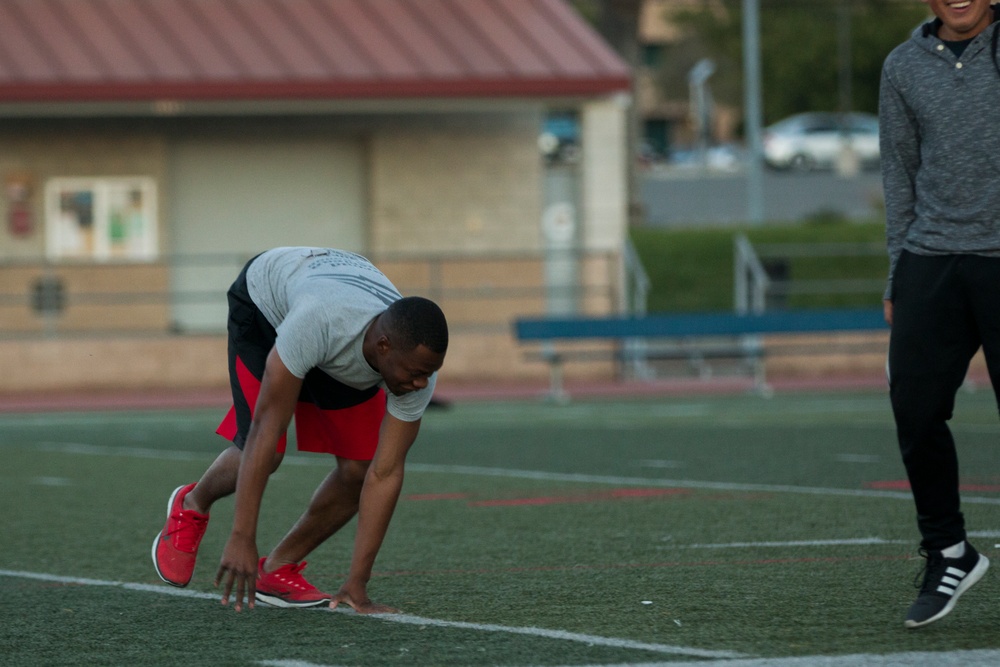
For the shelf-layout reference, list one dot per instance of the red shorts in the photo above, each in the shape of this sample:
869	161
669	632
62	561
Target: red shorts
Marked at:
347	432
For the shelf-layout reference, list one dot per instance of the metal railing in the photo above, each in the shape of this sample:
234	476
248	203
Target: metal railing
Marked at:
754	288
750	281
186	293
637	286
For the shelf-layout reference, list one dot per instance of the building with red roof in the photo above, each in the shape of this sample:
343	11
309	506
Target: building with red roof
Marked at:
149	147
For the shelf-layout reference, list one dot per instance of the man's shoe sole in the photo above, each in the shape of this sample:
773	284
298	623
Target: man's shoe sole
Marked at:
275	601
156	542
977	573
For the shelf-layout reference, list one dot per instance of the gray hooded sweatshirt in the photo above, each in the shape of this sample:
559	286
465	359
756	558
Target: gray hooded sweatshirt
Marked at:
939	131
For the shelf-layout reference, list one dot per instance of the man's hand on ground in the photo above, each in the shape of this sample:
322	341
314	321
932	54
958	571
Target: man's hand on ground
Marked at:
239	566
357	598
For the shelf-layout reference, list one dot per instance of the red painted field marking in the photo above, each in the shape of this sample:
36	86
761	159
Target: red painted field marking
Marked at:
437	496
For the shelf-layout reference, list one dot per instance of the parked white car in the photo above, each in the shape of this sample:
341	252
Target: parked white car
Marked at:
817	140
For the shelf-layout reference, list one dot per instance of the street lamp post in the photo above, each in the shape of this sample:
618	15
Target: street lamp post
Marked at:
752	111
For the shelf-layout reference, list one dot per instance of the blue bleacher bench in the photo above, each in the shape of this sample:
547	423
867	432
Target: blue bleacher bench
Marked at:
631	332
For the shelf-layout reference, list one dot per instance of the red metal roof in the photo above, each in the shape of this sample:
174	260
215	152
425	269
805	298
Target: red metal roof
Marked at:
126	50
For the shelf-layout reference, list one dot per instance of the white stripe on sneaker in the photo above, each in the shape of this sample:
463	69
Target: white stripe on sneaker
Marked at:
950	583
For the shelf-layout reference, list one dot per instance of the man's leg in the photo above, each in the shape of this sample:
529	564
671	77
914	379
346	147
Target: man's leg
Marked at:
175	548
344	422
334	503
931	343
984	278
219	480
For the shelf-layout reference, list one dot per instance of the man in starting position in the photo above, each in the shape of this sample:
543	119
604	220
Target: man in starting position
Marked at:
324	336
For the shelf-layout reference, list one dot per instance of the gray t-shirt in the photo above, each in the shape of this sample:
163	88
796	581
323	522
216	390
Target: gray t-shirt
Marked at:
321	301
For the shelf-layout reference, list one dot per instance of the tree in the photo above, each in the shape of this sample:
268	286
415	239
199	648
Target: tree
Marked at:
799	63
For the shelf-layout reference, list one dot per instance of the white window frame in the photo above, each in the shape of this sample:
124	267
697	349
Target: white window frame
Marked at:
122	219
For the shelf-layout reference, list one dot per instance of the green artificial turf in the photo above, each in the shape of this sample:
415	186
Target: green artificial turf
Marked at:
726	525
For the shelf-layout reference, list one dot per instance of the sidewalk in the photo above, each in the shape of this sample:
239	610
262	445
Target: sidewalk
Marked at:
650	388
448	392
137	399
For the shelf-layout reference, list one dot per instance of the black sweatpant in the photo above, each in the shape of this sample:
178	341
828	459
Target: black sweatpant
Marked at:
944	309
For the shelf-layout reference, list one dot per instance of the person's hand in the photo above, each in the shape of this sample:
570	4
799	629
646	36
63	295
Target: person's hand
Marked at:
887	311
239	566
355	596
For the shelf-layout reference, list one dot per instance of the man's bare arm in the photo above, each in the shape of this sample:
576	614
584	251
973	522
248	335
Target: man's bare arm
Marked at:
279	394
378	501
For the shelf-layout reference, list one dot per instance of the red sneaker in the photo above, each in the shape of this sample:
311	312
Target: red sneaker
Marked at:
286	587
176	547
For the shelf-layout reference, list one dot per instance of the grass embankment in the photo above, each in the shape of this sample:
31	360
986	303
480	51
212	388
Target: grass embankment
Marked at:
691	270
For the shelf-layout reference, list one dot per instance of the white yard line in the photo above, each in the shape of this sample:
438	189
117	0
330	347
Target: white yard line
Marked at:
406	619
676	483
850	542
975	658
293	459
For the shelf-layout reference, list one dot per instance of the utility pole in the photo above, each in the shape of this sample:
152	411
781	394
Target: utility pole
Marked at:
847	162
701	105
752	116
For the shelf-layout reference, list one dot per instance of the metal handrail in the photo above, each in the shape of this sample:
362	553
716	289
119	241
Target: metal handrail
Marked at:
639	283
750	280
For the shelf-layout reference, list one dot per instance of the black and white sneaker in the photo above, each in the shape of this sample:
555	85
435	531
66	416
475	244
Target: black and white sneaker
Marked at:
945	579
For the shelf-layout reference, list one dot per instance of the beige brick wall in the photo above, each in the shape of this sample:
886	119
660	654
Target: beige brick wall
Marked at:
480	293
456	189
113	363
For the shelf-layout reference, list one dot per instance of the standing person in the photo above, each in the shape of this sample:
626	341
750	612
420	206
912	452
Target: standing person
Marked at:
323	335
940	147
